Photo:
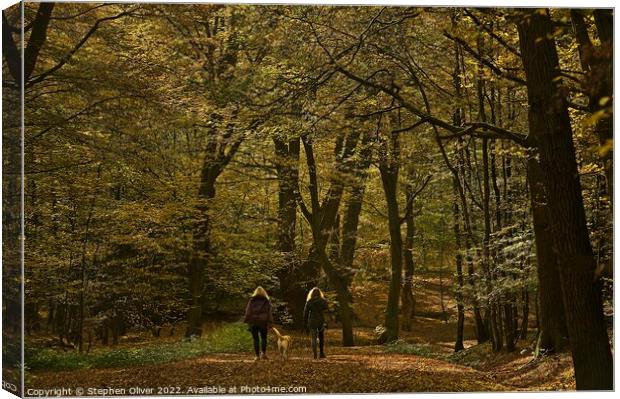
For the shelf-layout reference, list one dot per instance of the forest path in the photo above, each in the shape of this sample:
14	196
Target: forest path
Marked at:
364	368
356	369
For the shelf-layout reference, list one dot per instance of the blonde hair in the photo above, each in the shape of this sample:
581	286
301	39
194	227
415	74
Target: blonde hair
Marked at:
260	291
312	293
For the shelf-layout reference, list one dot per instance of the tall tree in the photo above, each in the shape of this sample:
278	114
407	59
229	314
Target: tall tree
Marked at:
287	160
389	166
550	127
351	217
322	217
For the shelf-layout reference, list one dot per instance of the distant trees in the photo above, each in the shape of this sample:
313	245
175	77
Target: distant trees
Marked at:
38	84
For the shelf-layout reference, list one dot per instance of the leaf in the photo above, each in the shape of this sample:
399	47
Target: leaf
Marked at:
604	101
606	147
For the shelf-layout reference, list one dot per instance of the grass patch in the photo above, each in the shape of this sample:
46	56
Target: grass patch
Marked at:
229	338
405	348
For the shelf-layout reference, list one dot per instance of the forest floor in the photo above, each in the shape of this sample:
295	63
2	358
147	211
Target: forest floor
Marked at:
422	361
357	369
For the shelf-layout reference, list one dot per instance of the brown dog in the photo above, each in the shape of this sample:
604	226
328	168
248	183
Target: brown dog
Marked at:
284	342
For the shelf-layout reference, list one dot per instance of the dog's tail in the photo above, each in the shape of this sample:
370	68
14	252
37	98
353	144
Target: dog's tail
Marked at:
275	330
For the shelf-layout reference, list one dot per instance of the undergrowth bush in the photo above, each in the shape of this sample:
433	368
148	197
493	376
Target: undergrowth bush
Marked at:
405	348
228	338
474	356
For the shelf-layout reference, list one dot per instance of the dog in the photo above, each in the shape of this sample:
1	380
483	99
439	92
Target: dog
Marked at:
284	343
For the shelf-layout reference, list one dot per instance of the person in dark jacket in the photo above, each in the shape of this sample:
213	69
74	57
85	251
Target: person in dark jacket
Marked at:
314	319
259	317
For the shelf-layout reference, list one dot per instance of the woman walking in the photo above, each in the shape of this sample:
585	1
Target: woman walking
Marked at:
259	318
314	319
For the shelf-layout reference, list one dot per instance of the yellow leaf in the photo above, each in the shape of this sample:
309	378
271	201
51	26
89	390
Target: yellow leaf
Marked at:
606	147
594	118
603	101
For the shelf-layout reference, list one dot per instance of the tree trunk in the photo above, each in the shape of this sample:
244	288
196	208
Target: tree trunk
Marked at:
551	304
220	149
12	162
389	179
343	296
457	119
460	324
509	324
444	314
494	300
526	314
407	297
389	165
301	280
352	212
550	127
353	209
200	255
291	290
482	334
322	220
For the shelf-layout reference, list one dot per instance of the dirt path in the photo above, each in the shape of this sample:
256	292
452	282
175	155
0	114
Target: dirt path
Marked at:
361	369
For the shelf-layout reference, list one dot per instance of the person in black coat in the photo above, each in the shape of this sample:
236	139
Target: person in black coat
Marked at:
259	317
314	319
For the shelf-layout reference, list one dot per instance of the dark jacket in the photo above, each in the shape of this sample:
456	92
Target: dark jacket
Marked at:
314	313
258	312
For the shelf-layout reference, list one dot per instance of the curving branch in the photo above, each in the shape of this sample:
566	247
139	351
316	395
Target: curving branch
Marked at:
67	57
490	131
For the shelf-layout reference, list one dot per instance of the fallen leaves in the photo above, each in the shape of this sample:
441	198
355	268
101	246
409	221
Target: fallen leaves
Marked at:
345	370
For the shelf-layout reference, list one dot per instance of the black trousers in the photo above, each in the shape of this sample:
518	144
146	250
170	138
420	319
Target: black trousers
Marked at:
320	334
262	332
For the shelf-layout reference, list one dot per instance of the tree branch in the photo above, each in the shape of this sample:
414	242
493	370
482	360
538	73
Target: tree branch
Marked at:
494	131
409	205
10	51
70	54
491	33
491	130
37	38
494	68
